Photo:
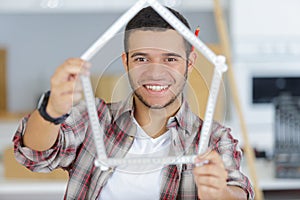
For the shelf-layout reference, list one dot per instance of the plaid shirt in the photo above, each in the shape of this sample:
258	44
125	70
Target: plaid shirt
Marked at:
75	151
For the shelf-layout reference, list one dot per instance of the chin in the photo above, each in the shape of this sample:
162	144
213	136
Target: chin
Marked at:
155	102
160	104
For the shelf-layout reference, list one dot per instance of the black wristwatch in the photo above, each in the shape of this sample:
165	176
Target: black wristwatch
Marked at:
42	105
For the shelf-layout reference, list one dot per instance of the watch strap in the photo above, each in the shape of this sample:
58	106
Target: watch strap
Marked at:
42	110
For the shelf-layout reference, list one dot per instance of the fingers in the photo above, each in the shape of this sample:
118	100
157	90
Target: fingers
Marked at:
211	181
211	176
212	156
211	169
70	70
213	164
66	88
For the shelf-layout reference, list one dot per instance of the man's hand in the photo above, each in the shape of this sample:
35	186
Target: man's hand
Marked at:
210	178
66	89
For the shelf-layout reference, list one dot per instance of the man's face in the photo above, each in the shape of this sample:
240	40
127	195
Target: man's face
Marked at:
157	66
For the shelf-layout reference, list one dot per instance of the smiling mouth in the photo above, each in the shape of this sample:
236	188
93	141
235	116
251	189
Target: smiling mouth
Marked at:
157	88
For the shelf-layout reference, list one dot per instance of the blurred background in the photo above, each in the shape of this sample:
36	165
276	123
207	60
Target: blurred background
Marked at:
36	36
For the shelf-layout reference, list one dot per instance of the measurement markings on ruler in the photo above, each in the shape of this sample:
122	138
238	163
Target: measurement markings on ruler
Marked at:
98	132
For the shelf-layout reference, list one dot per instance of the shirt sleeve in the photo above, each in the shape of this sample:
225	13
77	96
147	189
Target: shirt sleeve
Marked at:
231	154
63	152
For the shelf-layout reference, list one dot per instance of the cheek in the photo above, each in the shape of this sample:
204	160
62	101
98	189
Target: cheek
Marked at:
170	73
179	75
178	67
135	74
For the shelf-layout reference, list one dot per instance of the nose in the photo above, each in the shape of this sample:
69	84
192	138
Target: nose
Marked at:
156	70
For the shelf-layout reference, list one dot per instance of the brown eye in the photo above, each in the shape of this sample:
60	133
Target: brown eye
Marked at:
140	59
171	59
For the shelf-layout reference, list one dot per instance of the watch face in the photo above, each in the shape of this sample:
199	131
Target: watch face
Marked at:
41	100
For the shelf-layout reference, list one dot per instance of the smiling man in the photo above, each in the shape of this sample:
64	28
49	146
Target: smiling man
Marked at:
157	69
154	120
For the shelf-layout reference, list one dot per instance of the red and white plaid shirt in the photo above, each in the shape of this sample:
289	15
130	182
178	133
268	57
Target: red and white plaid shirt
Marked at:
75	151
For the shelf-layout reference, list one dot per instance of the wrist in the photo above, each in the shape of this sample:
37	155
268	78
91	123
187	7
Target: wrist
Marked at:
51	110
234	192
43	111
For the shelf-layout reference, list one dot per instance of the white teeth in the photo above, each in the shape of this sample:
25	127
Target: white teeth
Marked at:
156	87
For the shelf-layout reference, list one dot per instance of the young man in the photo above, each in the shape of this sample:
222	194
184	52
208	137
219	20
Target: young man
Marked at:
154	120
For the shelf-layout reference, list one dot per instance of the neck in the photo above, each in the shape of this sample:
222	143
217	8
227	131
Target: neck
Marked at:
154	121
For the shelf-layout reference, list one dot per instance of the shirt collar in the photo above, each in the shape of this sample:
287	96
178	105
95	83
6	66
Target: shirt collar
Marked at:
123	107
184	118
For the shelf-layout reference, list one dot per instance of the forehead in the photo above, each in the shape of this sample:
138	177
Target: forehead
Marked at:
168	40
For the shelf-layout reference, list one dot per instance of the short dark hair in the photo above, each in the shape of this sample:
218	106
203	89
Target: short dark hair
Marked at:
149	19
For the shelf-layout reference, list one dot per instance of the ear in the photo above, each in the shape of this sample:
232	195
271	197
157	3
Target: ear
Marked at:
124	61
192	60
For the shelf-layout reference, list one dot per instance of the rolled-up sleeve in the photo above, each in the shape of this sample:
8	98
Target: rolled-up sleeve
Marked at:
62	153
231	154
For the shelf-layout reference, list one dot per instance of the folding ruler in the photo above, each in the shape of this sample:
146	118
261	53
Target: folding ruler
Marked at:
220	67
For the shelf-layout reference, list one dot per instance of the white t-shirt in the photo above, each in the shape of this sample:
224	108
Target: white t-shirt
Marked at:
138	182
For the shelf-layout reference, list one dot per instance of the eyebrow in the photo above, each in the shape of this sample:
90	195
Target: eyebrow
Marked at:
172	54
138	54
164	54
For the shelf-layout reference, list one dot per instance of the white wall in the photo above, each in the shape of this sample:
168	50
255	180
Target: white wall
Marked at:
38	43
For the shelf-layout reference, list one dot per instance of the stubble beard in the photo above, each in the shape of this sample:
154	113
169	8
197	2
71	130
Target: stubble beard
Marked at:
172	100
